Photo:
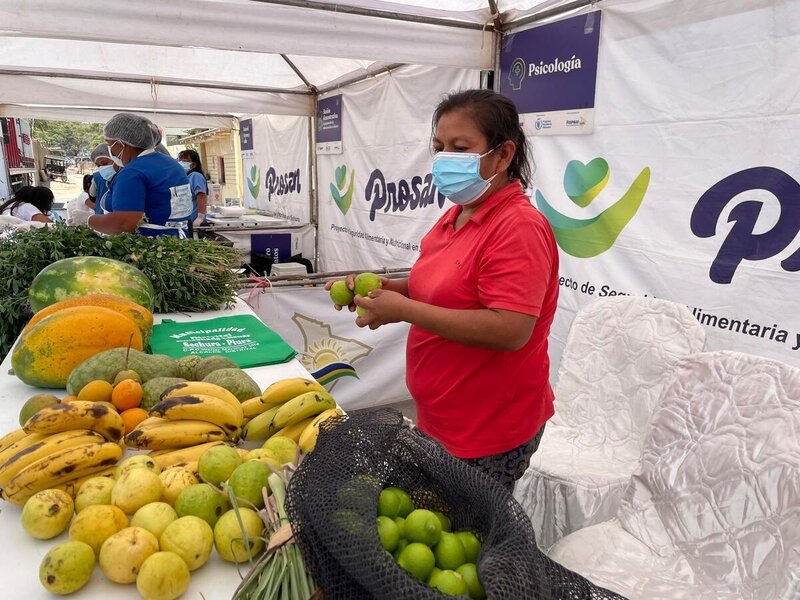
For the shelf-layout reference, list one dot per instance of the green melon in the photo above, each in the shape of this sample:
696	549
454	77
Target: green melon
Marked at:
82	275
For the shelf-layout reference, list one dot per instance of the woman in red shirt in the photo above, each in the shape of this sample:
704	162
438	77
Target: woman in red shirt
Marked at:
481	296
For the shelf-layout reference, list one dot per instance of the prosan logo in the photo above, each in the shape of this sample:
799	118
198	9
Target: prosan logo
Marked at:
342	195
254	181
585	238
280	185
742	242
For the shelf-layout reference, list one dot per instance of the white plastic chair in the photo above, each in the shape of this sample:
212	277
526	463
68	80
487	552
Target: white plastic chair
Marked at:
619	354
714	509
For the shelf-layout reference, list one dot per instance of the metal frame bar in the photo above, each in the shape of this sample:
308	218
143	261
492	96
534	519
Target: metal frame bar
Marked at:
546	14
312	88
360	78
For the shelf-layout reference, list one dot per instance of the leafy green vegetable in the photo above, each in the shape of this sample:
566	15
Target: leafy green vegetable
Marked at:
188	275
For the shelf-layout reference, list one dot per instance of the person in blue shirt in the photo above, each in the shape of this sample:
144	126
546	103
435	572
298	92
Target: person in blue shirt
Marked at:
151	192
106	169
190	161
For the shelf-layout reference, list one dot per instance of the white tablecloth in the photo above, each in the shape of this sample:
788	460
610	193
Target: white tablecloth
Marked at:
20	554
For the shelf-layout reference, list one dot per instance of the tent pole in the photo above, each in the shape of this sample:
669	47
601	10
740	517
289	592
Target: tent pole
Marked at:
299	73
498	44
360	78
546	14
313	197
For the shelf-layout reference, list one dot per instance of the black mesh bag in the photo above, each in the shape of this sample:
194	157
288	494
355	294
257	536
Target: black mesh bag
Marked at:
333	499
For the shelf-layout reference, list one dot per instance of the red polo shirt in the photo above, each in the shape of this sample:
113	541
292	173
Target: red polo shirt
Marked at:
482	402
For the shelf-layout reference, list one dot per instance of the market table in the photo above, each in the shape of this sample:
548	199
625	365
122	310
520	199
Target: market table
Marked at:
20	554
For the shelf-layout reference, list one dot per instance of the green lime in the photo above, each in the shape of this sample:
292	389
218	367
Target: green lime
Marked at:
449	583
449	552
387	531
401	526
469	573
406	504
444	520
418	560
424	527
389	503
472	545
400	545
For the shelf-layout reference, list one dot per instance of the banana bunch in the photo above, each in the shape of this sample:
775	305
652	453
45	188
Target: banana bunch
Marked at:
182	457
283	407
308	437
189	414
33	462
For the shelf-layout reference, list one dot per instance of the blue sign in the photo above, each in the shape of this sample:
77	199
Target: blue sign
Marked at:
246	134
329	119
278	246
552	67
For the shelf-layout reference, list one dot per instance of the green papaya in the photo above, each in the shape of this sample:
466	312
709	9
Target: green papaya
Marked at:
107	364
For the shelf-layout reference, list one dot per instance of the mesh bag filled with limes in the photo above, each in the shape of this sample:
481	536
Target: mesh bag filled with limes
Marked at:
370	468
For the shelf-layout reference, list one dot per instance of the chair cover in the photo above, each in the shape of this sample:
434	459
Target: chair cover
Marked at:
714	509
619	354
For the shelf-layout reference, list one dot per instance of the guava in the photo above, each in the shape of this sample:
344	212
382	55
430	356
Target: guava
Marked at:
162	576
66	568
96	490
34	404
154	517
139	461
340	293
266	456
189	537
47	514
217	463
122	555
96	523
136	488
229	540
285	448
202	500
365	283
175	480
248	480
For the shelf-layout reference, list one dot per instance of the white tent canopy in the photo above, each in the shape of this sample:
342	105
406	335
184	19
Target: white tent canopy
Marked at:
198	59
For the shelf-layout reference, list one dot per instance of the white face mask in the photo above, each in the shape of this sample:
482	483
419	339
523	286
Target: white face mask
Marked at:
116	159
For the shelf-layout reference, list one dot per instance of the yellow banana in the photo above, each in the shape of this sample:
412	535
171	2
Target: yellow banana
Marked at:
301	407
200	407
60	467
294	431
170	458
308	438
29	440
254	407
190	388
73	486
13	437
260	427
188	464
175	434
286	389
46	447
77	415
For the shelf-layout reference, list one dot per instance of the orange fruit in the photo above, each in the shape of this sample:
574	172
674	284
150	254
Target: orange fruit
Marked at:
132	417
96	391
127	394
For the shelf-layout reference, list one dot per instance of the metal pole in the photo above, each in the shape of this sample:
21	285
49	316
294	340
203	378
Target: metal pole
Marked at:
360	78
313	196
546	14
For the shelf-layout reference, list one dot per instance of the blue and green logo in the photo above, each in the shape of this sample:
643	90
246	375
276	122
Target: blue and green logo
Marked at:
254	181
585	238
343	196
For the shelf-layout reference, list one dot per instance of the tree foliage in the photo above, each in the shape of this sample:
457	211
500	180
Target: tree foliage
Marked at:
73	138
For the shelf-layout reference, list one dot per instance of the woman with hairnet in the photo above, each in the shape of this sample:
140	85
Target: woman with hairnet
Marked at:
106	169
151	193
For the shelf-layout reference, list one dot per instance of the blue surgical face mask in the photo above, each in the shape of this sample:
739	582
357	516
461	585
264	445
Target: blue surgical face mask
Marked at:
107	172
187	166
458	176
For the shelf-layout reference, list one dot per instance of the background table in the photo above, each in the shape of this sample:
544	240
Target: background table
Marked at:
20	554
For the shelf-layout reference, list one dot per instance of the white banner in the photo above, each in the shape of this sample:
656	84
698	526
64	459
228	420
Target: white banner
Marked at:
275	166
377	199
362	368
688	190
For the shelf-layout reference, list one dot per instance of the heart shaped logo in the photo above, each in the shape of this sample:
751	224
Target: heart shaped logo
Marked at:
254	181
342	197
583	182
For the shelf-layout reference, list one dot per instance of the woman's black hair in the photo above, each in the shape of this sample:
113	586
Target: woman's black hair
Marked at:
39	196
498	120
195	158
87	182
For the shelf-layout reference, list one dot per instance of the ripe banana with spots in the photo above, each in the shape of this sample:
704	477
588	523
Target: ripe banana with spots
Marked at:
173	457
192	388
200	407
302	407
59	467
254	407
308	438
12	438
260	427
175	434
28	440
294	431
43	448
77	415
286	389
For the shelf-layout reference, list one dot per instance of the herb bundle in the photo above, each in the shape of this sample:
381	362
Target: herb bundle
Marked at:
188	275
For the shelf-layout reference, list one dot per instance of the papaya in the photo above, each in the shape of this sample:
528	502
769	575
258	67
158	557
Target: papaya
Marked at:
140	315
106	365
46	354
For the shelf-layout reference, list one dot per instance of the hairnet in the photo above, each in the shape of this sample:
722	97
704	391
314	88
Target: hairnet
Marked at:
132	129
100	150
